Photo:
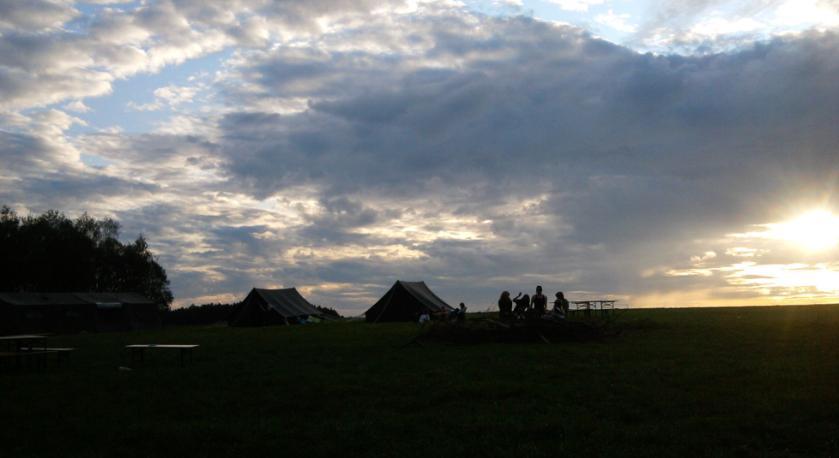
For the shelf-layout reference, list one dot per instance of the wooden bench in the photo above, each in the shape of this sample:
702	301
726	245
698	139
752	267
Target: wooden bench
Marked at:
23	358
62	353
138	351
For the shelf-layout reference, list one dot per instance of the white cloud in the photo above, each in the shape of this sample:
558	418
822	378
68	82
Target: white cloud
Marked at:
77	106
620	22
45	64
716	26
817	13
688	26
170	97
576	5
35	15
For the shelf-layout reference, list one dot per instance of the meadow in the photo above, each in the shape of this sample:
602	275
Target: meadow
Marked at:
755	381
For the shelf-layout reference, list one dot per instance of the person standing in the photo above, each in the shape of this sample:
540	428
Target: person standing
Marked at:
539	303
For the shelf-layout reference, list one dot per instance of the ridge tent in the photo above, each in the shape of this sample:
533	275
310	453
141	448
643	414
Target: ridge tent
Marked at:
76	312
404	302
273	306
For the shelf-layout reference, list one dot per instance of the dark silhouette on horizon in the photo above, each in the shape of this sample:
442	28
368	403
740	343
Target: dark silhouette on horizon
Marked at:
505	306
522	305
53	253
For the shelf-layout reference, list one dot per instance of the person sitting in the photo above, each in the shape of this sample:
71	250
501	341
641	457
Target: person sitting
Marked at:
522	306
539	303
461	313
561	305
505	306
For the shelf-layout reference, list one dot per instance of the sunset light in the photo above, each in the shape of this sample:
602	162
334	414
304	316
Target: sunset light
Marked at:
419	227
817	230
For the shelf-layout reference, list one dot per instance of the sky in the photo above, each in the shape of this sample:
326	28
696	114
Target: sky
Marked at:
669	153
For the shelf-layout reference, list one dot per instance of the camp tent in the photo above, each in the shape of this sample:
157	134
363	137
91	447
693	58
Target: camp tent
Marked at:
404	302
123	311
273	306
76	312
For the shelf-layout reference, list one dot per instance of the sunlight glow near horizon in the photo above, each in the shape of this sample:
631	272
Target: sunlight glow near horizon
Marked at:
784	262
817	230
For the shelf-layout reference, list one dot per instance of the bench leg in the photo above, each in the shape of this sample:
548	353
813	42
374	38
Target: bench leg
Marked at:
137	355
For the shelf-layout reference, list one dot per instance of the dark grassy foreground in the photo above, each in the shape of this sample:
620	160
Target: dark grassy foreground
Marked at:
716	382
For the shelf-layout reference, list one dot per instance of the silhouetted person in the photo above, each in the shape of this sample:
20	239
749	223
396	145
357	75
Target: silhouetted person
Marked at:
539	302
561	305
461	313
522	305
505	306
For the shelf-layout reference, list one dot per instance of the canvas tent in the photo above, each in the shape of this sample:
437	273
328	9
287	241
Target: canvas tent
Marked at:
404	302
76	312
273	306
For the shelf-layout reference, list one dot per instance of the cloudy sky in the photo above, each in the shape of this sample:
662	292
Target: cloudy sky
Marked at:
664	153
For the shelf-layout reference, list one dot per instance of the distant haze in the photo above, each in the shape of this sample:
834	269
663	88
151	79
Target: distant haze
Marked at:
679	153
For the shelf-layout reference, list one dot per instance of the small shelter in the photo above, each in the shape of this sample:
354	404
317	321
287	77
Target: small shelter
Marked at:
76	312
405	301
273	306
123	311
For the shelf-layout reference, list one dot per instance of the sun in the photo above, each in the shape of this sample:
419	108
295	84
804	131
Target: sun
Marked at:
817	230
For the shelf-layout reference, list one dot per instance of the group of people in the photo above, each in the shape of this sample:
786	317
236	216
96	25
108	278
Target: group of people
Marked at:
535	306
457	314
526	307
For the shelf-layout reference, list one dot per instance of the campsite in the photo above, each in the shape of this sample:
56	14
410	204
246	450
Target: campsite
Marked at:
419	228
751	381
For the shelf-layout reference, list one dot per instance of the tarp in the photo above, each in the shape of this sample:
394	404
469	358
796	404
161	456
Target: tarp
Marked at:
405	301
75	312
273	306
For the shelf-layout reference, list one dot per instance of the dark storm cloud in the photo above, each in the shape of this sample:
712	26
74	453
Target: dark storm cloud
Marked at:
624	133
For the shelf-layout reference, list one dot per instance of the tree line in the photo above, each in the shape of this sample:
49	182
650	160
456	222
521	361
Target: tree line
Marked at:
53	253
214	313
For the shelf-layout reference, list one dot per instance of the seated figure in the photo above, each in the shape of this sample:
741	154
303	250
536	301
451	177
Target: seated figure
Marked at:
560	305
522	306
505	306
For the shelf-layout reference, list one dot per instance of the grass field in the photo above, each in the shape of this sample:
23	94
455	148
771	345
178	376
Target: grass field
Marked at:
677	382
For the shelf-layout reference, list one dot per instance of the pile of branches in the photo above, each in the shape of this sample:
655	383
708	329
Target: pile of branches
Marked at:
487	330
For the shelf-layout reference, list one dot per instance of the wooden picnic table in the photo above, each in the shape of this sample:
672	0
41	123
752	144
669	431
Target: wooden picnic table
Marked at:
137	351
603	305
18	342
26	348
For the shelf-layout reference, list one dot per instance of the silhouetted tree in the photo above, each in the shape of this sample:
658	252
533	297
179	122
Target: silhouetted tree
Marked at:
51	253
203	314
329	311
